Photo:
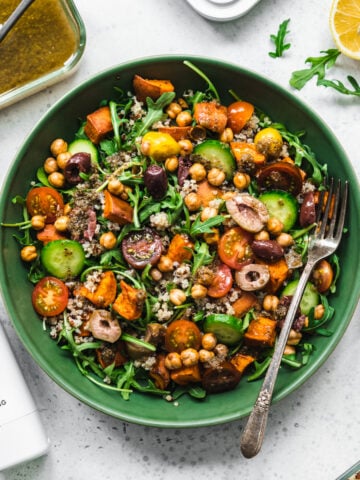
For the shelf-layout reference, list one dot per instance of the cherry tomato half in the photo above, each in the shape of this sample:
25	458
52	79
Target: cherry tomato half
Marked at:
239	113
45	201
141	248
281	176
234	247
221	283
50	297
182	334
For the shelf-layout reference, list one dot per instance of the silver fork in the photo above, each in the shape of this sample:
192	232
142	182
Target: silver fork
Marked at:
323	243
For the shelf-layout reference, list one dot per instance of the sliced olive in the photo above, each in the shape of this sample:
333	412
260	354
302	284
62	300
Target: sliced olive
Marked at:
248	212
220	377
141	248
252	277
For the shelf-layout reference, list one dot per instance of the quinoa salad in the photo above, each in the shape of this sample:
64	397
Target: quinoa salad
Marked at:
165	240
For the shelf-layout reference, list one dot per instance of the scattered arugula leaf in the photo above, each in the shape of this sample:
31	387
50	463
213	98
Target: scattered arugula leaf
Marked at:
340	87
318	68
198	227
201	256
279	40
155	111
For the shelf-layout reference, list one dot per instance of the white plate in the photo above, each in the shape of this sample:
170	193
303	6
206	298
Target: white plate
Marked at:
222	10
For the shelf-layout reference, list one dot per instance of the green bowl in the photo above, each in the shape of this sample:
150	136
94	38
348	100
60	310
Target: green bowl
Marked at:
62	121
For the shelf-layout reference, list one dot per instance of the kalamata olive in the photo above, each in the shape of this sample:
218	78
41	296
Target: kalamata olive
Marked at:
156	181
141	248
104	327
268	250
323	276
307	214
183	170
248	212
252	277
79	163
220	377
154	334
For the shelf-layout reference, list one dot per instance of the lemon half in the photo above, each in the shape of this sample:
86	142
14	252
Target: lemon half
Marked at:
345	26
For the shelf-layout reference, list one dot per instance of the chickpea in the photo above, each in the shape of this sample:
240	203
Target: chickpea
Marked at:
189	357
56	179
186	147
205	355
165	264
209	341
125	194
208	212
241	180
172	163
198	291
192	201
50	165
62	159
213	237
184	118
183	103
285	240
115	187
67	208
294	337
108	240
173	361
155	274
28	253
177	296
38	222
228	195
58	146
216	177
262	235
173	110
289	350
227	135
197	172
221	350
319	311
270	303
274	226
62	223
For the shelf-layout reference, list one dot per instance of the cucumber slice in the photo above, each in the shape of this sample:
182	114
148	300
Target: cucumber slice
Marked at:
310	296
281	205
84	145
227	328
63	259
216	154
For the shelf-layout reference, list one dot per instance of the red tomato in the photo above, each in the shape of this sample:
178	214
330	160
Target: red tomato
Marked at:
221	283
45	201
50	297
182	334
234	247
239	113
281	176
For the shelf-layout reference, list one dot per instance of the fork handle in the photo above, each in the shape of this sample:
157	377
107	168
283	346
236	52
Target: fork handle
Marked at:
254	432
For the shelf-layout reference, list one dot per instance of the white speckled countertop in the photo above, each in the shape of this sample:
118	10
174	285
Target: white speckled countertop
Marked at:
313	433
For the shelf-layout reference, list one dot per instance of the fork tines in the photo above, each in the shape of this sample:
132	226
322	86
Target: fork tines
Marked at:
333	210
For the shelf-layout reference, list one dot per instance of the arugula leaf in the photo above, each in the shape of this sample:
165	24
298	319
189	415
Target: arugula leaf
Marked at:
211	86
340	87
318	67
279	40
198	227
202	256
155	111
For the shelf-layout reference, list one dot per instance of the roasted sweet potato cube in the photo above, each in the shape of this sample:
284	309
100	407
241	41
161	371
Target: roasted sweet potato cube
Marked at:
159	373
98	124
261	332
117	210
178	133
245	302
211	115
105	292
207	193
242	361
279	272
180	248
130	302
186	375
152	88
244	152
